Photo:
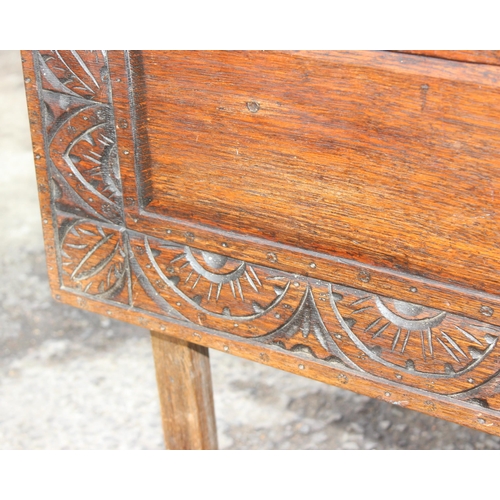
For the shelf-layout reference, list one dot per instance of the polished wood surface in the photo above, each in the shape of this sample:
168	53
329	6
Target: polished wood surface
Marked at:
332	214
470	56
185	390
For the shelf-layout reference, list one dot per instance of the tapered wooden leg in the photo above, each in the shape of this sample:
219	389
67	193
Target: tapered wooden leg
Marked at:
185	388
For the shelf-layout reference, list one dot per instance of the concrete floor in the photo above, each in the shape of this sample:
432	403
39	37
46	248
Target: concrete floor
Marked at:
74	380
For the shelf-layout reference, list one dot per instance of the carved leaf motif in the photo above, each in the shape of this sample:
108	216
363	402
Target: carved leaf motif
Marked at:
423	347
216	284
77	73
87	165
439	343
93	260
305	331
92	159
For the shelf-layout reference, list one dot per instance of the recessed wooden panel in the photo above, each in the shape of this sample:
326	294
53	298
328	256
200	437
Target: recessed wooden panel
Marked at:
387	159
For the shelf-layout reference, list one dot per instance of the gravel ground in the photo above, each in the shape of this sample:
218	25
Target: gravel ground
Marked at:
74	380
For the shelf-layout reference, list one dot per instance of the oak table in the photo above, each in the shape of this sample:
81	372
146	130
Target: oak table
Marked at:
332	214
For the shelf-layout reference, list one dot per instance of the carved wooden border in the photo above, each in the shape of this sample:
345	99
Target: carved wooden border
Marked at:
411	355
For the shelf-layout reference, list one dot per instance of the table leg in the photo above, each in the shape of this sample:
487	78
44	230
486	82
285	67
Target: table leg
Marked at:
185	389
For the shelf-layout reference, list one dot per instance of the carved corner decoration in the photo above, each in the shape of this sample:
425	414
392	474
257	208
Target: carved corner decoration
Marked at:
99	258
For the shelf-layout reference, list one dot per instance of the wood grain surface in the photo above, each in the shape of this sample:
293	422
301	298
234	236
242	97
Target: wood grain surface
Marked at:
185	390
470	56
401	305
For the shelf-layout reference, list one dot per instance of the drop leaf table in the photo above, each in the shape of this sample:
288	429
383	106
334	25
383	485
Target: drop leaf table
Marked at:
333	214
